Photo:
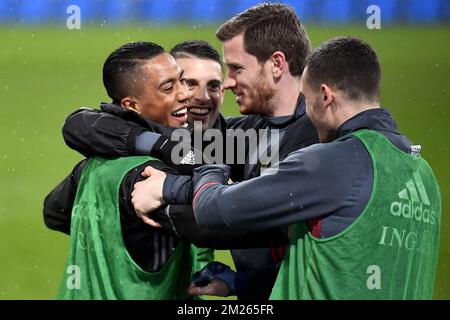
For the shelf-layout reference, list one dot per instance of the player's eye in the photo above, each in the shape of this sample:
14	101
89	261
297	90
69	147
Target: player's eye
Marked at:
168	88
190	83
214	87
237	69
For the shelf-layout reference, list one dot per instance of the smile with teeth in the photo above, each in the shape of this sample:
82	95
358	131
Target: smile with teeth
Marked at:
239	97
199	111
180	113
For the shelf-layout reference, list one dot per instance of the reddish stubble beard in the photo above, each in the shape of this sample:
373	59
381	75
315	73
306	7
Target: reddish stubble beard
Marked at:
258	97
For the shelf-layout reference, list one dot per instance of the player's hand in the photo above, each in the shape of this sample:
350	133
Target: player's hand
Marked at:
215	279
147	195
149	171
214	288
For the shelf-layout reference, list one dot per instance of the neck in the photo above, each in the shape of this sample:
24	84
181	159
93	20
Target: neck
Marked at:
342	114
286	96
349	110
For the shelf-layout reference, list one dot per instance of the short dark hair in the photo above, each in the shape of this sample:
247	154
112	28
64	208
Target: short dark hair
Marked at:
347	63
124	63
197	48
267	28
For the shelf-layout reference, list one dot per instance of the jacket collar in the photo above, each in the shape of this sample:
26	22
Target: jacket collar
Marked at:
374	119
283	121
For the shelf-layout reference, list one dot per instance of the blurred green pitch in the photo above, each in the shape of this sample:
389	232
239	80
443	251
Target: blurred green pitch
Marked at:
47	72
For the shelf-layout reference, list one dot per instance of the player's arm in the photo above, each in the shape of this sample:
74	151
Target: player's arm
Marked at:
95	133
180	220
115	132
59	202
126	188
307	184
217	279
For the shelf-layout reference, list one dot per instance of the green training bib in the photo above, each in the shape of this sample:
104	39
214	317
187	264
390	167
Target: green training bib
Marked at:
389	252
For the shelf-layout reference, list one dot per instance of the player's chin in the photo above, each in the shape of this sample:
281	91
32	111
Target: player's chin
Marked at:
177	122
245	109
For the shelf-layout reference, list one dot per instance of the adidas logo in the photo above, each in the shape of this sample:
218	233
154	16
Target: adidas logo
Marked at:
189	158
415	204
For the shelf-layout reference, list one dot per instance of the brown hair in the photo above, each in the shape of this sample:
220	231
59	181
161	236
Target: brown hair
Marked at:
349	64
270	27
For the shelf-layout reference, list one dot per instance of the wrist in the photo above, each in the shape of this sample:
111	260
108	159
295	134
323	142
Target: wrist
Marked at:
177	189
210	173
229	277
145	141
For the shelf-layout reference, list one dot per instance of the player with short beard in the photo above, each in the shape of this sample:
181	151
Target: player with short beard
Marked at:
265	48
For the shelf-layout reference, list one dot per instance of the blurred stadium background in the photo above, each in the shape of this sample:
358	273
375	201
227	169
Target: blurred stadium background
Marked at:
47	71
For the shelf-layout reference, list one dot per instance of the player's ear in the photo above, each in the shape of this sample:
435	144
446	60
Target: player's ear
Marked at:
327	95
131	104
279	63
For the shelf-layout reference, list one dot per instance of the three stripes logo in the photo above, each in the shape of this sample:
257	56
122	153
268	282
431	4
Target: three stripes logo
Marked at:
414	203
